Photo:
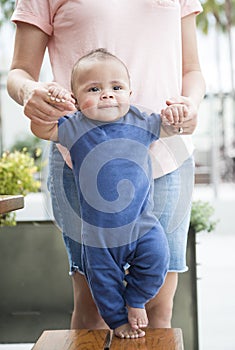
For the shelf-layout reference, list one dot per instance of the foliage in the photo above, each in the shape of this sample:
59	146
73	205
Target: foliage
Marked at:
222	12
6	10
34	148
202	217
17	171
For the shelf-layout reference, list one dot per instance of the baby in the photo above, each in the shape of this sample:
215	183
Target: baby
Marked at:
108	140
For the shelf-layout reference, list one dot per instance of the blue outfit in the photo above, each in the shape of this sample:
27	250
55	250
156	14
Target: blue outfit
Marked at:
171	207
114	181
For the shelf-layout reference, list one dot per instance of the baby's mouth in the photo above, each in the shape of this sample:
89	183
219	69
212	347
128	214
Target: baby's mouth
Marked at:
106	106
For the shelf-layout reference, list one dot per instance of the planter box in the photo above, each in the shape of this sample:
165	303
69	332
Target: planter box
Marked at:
36	290
185	313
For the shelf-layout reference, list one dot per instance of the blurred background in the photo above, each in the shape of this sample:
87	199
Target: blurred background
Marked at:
214	142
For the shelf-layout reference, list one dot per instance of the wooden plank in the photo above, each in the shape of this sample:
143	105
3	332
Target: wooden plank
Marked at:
9	203
82	339
155	339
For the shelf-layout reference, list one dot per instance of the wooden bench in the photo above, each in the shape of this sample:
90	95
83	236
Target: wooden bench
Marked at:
155	339
9	203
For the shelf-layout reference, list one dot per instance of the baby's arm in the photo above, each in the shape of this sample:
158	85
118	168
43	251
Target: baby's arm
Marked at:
46	131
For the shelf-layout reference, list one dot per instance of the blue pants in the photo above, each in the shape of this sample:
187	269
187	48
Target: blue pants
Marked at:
148	258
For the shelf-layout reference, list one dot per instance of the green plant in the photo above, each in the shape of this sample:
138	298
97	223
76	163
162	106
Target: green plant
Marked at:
202	217
6	10
17	171
34	147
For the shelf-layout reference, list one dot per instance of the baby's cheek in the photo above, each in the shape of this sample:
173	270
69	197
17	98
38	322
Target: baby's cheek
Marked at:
89	103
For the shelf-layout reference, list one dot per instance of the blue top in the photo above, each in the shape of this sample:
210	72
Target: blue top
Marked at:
113	174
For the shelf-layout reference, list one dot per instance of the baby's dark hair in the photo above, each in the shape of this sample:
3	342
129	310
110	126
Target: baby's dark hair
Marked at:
99	54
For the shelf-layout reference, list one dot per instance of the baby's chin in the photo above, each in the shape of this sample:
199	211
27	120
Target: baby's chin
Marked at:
107	114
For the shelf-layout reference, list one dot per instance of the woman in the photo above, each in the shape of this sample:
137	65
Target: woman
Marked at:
157	42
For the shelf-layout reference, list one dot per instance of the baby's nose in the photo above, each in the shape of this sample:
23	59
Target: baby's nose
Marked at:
107	94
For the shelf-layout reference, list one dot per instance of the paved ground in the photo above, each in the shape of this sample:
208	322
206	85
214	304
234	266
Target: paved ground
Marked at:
216	272
216	292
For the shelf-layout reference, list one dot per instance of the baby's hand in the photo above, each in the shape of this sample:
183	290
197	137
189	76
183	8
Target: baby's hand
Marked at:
59	95
174	114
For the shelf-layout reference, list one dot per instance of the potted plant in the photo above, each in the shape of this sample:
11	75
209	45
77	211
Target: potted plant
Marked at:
202	217
17	176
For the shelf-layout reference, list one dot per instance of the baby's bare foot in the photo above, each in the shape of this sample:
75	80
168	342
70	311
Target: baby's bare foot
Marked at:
137	317
126	332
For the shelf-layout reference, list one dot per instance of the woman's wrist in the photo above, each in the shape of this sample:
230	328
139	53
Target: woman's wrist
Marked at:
26	90
19	85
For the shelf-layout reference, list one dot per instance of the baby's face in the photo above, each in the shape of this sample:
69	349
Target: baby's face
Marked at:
102	89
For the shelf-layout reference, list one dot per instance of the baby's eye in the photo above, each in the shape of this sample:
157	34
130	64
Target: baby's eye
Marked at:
117	87
94	89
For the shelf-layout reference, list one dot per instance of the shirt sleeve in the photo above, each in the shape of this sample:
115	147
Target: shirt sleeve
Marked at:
155	123
69	130
190	6
35	12
63	127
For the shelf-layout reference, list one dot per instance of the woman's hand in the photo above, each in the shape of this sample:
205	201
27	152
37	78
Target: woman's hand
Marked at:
40	108
182	114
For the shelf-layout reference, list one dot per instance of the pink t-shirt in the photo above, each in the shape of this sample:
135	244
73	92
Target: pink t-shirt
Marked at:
145	34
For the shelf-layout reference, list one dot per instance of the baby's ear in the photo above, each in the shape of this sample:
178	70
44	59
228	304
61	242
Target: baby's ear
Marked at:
76	101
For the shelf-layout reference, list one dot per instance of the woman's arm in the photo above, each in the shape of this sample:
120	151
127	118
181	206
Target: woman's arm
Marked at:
193	81
193	84
23	85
